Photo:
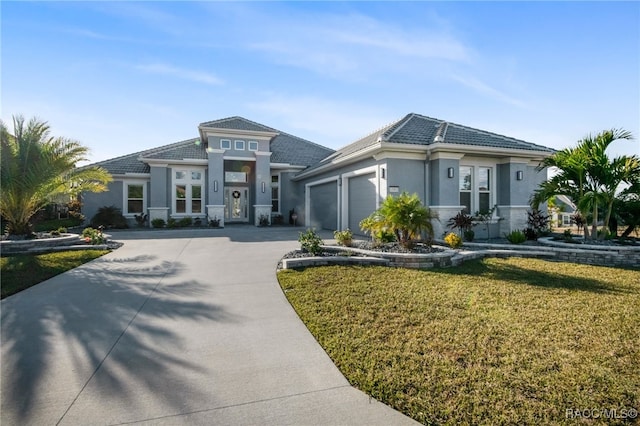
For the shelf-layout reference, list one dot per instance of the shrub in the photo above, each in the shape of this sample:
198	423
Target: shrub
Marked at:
172	223
369	225
93	236
158	223
453	240
531	234
215	222
567	235
344	238
516	237
185	221
469	235
109	217
263	220
310	242
141	219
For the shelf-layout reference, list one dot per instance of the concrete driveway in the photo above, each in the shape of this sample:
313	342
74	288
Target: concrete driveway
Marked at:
175	327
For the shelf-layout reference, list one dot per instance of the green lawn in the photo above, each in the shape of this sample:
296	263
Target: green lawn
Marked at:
23	271
497	341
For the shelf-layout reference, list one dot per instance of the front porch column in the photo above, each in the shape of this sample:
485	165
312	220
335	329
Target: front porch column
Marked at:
158	202
215	186
262	206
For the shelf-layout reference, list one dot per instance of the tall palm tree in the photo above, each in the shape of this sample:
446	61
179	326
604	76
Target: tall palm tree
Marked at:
589	176
36	168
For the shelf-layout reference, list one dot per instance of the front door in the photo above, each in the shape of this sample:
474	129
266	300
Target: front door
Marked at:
236	200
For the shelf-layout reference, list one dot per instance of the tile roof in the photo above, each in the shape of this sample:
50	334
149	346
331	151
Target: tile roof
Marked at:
421	130
286	149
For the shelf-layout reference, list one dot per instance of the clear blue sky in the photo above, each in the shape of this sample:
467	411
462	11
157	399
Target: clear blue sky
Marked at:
122	77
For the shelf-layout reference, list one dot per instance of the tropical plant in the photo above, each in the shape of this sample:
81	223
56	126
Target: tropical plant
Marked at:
311	242
589	177
109	217
344	238
37	168
405	217
185	222
141	219
379	235
462	222
538	224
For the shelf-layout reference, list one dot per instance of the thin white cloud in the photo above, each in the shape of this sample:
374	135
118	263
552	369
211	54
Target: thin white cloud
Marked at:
185	74
354	45
485	89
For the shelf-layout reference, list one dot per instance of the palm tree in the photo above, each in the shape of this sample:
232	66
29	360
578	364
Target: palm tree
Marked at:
589	176
37	168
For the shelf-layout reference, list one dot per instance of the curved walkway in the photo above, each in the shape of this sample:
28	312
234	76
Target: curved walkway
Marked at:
175	327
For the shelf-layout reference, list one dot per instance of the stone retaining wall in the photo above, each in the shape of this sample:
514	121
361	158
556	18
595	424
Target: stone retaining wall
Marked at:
24	246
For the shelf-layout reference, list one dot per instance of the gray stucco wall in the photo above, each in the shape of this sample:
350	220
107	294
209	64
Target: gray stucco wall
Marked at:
291	197
92	201
408	175
160	181
444	191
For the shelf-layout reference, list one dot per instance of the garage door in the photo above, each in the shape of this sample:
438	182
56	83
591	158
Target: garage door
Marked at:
362	199
323	206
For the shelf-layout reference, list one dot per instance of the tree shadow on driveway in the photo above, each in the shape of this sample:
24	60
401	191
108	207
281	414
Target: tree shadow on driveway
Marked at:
108	326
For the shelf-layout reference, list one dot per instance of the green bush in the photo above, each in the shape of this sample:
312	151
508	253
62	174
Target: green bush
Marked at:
172	223
344	238
94	236
158	223
516	237
453	240
310	242
109	217
469	235
185	221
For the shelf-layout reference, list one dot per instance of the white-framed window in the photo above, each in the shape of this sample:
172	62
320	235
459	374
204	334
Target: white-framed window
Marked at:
253	145
135	198
225	144
188	191
275	193
239	145
476	188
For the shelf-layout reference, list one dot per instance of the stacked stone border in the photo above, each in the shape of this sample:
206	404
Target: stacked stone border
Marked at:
619	256
47	245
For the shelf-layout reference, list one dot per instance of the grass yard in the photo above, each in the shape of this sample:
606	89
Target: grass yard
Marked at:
496	341
23	271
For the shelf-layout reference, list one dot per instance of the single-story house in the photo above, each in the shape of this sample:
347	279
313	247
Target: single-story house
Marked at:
240	171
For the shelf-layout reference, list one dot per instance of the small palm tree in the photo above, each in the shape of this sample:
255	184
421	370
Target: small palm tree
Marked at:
37	168
406	217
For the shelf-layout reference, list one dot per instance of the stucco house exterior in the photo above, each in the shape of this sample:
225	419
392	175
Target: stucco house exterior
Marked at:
239	171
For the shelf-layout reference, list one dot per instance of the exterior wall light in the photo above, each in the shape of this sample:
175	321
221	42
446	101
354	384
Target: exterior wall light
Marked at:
450	172
519	175
215	186
264	187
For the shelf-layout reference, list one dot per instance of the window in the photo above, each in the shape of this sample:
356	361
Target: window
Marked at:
235	177
253	146
225	144
275	193
188	189
465	188
239	145
135	198
475	189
